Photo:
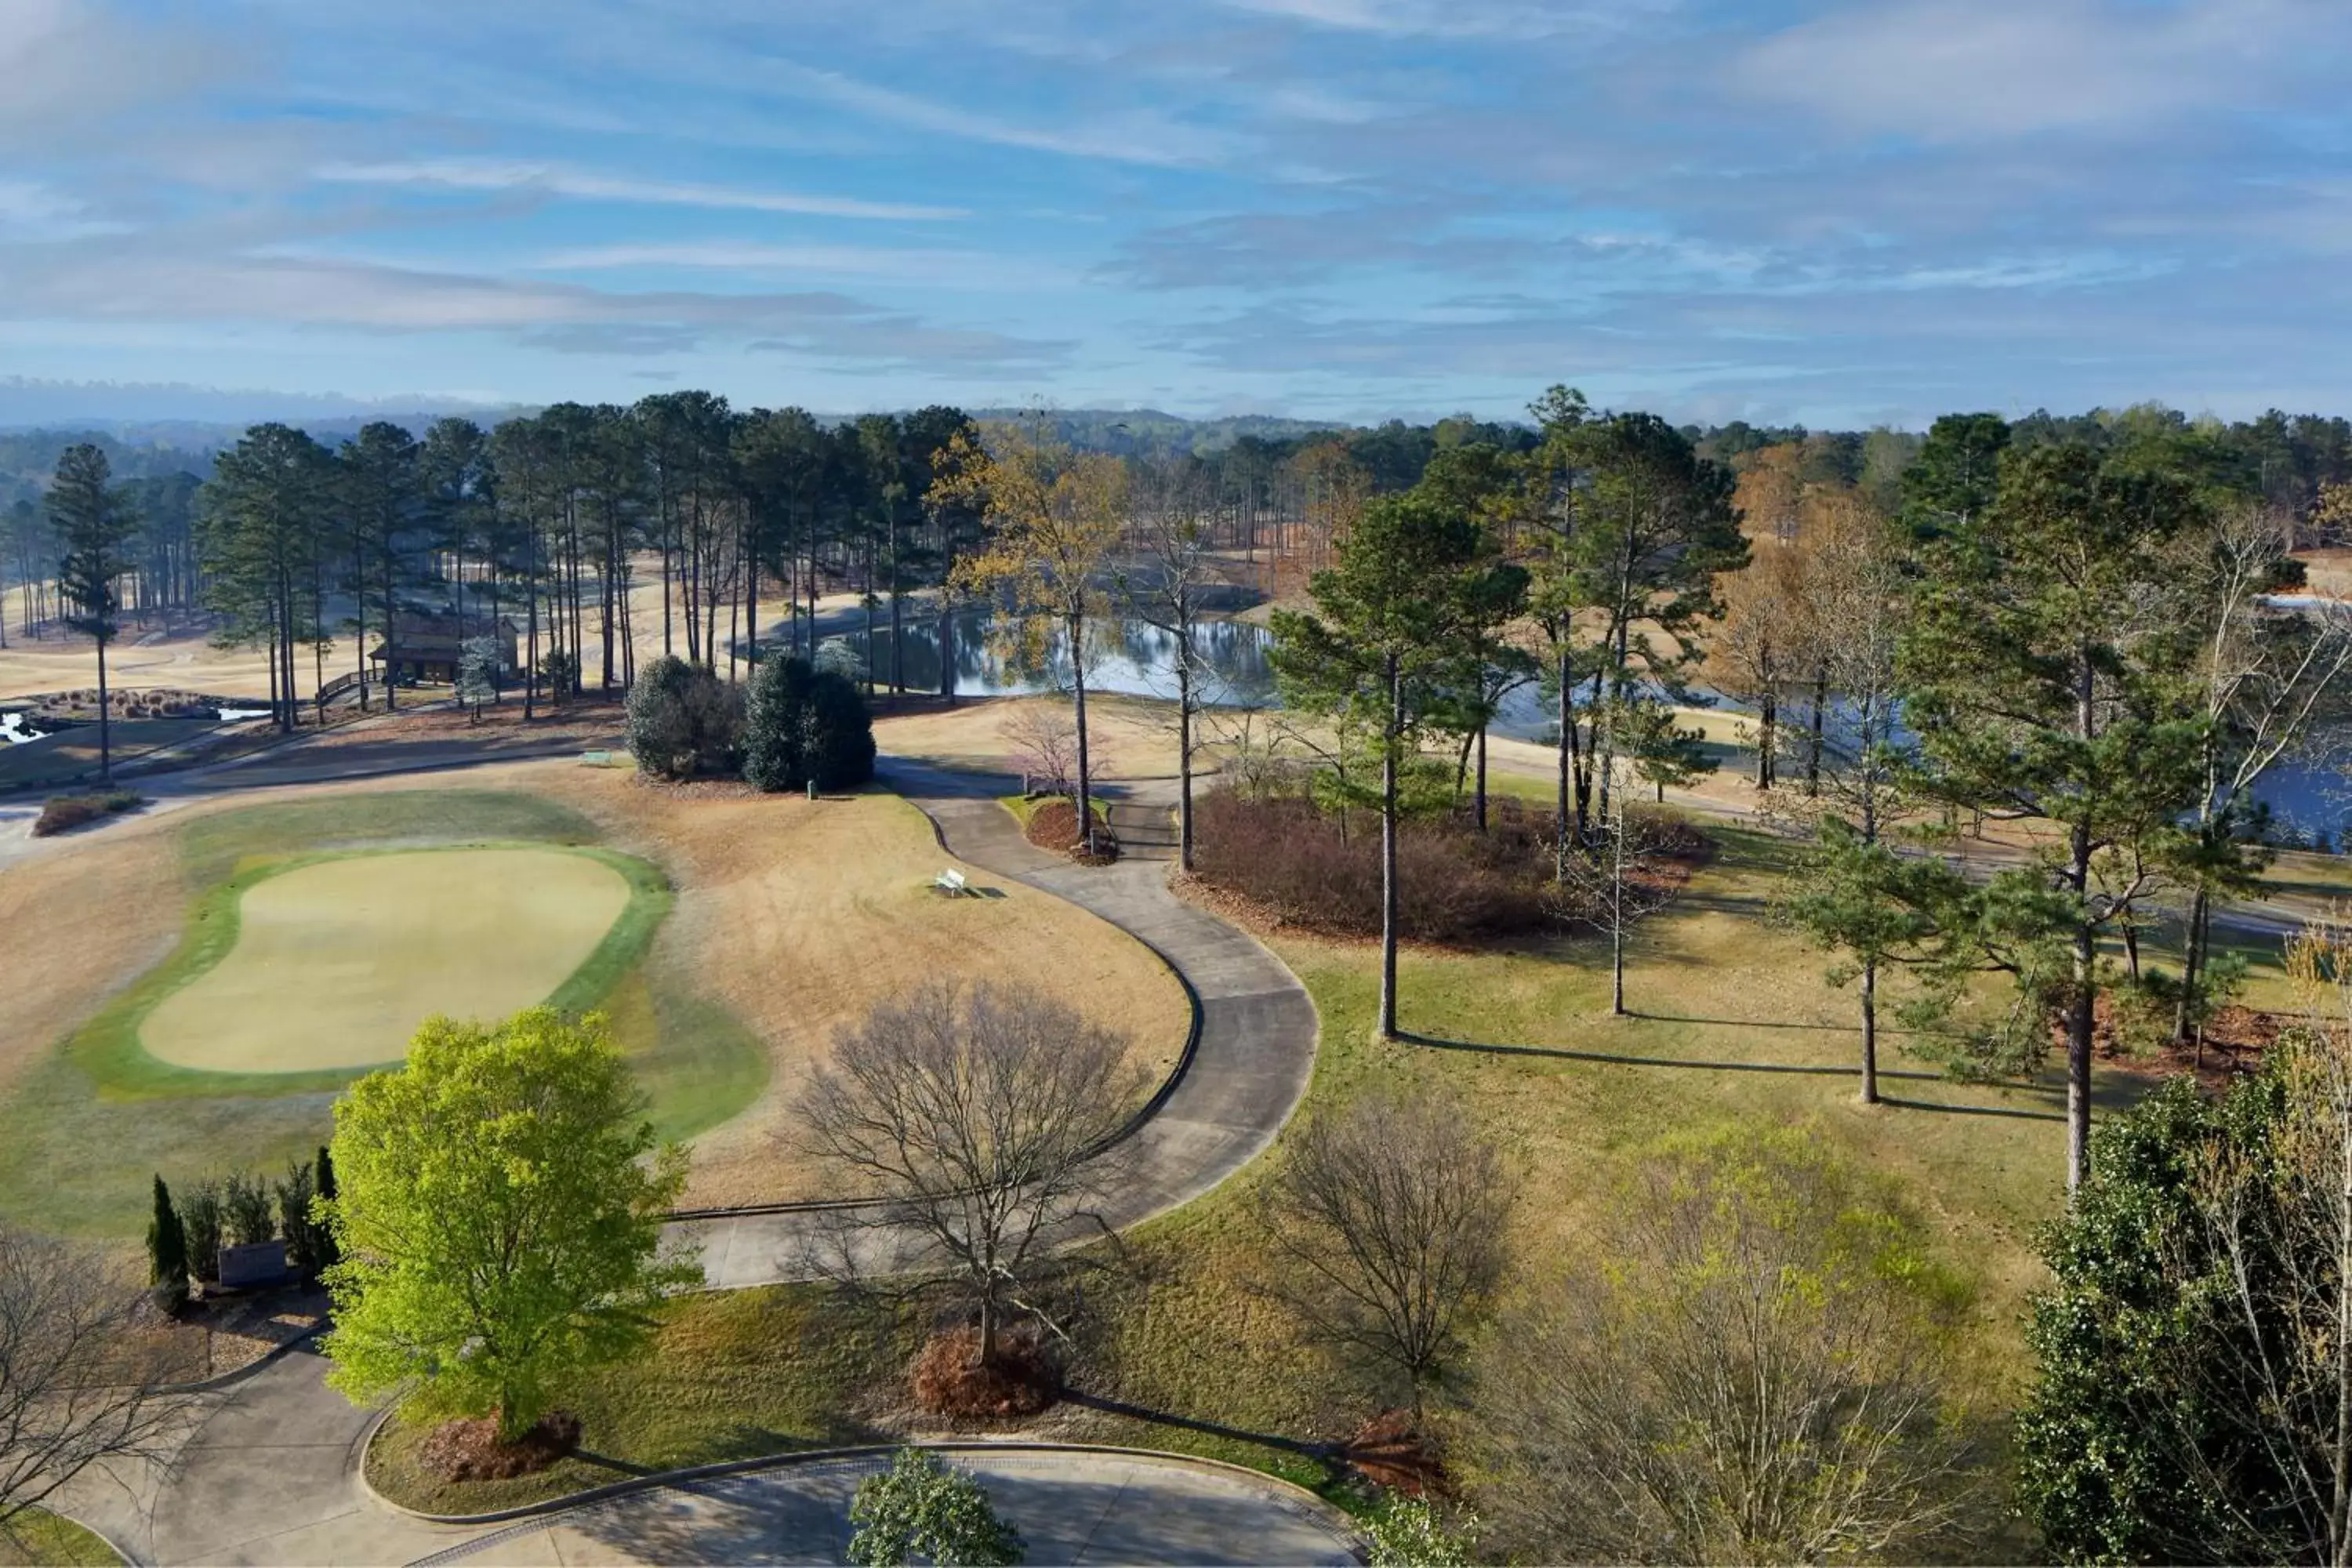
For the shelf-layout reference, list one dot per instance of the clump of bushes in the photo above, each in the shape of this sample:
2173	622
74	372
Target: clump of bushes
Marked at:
806	725
1305	863
1054	825
684	722
185	1236
64	813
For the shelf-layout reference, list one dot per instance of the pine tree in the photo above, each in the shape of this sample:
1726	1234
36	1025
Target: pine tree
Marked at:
167	1251
1416	577
94	528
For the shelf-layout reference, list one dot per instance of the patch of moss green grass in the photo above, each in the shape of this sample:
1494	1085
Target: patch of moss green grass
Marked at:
40	1539
732	1375
81	1131
1178	1349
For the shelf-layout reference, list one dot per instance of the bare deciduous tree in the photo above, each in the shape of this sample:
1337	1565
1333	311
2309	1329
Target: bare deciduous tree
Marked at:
77	1387
1390	1217
1044	746
1751	1377
981	1118
1167	587
2267	676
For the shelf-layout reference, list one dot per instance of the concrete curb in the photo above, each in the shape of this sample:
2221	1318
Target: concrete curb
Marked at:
1331	1514
250	1369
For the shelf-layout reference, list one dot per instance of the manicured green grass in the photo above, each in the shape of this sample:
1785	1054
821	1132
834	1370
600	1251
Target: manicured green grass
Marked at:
107	1048
80	1130
44	1539
733	1374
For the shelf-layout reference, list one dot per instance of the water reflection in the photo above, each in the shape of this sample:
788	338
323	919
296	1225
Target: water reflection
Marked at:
988	658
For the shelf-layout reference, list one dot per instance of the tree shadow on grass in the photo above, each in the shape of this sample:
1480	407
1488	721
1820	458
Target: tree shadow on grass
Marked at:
2011	1111
1795	1070
1625	1059
1190	1424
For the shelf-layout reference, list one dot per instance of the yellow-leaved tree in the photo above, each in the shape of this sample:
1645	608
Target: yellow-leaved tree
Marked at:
1054	516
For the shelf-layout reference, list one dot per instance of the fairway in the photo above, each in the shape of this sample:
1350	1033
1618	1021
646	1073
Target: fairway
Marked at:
336	962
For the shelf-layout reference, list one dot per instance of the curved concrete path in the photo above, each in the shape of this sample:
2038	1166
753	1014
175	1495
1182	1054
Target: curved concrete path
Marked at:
269	1473
1250	1064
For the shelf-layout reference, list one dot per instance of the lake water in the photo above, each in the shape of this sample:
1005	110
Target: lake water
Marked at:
1133	657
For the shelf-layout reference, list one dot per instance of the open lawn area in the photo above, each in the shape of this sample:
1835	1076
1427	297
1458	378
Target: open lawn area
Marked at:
1177	1350
728	935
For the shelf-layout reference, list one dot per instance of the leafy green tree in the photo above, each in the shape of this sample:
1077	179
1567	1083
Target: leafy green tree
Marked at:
1410	1533
2047	672
919	1510
1627	528
683	720
1416	580
498	1217
2194	1397
95	527
1857	895
805	725
2107	1440
167	1252
1854	894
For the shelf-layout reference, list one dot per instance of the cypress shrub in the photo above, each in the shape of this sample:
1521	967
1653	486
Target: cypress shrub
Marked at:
167	1252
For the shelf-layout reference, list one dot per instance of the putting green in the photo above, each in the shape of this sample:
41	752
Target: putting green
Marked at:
336	963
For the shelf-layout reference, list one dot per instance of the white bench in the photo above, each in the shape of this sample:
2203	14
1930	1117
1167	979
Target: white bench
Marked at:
951	883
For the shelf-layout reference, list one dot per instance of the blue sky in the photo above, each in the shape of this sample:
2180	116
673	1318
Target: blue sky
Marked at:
1776	209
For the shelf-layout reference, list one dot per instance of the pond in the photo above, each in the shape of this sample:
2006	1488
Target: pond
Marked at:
2311	792
1131	656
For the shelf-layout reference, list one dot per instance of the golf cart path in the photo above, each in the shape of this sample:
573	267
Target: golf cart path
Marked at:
270	1472
1249	1063
272	1476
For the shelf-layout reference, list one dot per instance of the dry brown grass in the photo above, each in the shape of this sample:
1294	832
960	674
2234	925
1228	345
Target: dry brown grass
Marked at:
1136	738
794	915
797	916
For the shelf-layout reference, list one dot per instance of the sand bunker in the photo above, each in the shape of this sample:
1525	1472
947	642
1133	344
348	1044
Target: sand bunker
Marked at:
336	963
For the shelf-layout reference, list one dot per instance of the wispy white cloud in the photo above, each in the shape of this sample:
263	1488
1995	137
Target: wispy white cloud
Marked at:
554	180
31	211
939	269
1140	136
321	292
1454	19
1960	69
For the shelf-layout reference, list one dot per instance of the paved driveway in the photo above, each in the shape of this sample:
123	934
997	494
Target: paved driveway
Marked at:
1070	1507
